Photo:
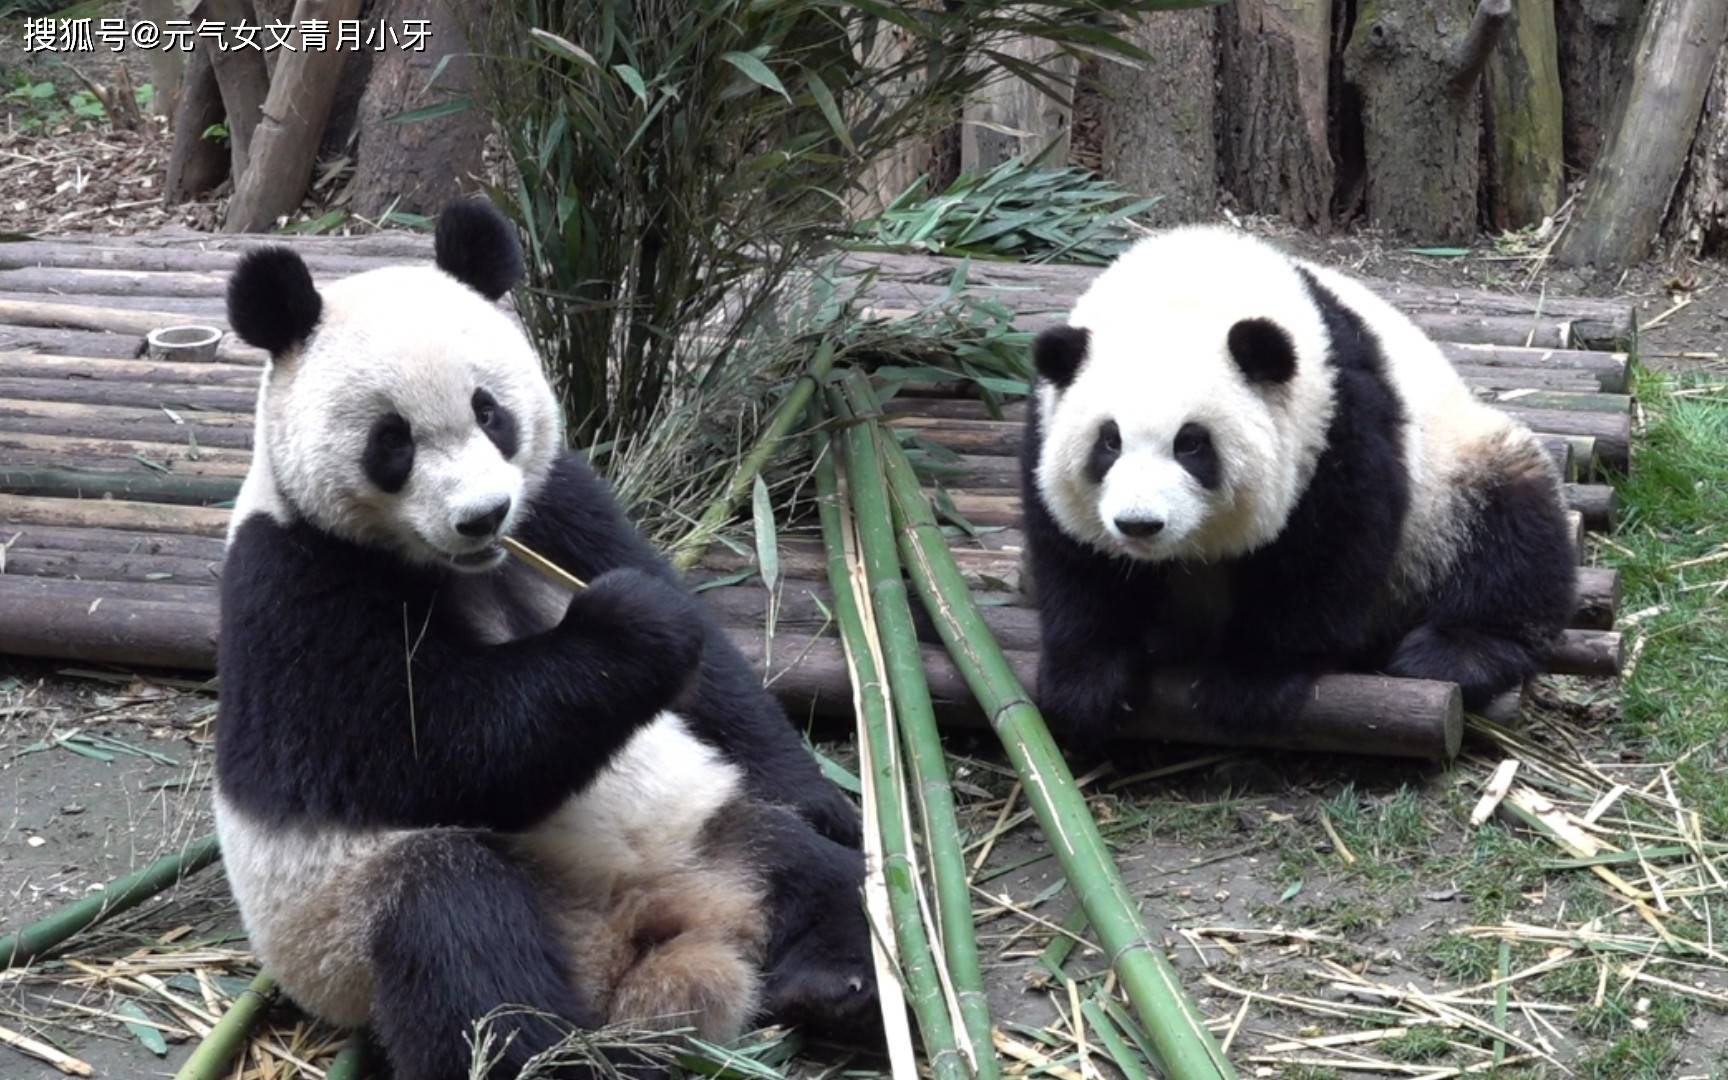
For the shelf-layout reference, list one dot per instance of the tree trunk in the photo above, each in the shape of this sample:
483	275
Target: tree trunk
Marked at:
1273	99
167	66
196	164
285	144
242	76
1699	219
1156	118
1522	110
415	167
1010	117
1595	39
1629	188
1415	65
882	181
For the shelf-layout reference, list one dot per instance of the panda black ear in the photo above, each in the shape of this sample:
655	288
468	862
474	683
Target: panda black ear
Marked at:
477	246
1263	351
1058	353
272	302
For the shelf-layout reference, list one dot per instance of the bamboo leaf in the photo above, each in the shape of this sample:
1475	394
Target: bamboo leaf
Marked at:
563	47
767	547
435	111
633	79
824	99
756	71
139	1025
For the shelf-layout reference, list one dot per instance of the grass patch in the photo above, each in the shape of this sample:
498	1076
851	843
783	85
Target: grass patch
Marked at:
1672	553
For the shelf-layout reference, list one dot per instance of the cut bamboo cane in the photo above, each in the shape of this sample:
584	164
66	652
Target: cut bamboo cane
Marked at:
917	720
1177	1029
211	1059
791	407
128	892
357	1060
917	962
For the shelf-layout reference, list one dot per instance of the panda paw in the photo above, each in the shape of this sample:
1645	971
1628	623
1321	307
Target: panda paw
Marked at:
833	815
821	973
645	618
1081	714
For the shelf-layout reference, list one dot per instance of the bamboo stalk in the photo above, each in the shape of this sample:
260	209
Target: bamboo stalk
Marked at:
128	892
913	710
211	1059
689	549
1177	1029
356	1061
548	569
917	962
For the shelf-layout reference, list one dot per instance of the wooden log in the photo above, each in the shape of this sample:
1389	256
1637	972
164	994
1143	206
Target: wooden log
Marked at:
202	460
108	566
1558	400
107	630
144	485
285	145
213	257
221	405
395	244
1527	331
1698	218
80	342
44	589
86	317
1598	598
241	76
187	310
1488	377
1629	188
28	277
1521	106
78	539
1611	431
26	510
1351	714
1599	653
1273	96
23	365
1594	502
116	423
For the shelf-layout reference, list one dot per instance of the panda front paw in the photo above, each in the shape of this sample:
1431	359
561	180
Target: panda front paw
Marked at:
644	618
1244	699
1082	712
833	815
821	973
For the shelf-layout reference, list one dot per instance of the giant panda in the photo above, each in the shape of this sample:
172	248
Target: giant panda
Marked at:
1241	470
446	786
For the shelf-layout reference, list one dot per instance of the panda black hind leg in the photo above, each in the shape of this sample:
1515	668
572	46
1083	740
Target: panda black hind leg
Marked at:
463	930
1493	618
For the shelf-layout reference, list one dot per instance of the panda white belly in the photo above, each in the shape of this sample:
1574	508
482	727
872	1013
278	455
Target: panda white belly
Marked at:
310	895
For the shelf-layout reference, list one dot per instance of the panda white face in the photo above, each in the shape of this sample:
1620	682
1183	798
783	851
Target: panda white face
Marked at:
427	438
1179	424
407	412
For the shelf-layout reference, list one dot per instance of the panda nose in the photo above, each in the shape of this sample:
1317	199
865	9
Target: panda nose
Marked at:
486	522
1139	528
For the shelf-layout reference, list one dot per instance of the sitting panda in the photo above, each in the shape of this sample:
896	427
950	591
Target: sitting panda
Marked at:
445	785
1251	470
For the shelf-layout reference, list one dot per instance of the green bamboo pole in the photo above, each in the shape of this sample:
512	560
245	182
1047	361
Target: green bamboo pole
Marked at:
225	1041
917	963
1177	1029
791	407
128	892
355	1062
905	669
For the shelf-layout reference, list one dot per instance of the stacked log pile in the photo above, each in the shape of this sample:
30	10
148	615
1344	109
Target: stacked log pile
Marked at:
115	472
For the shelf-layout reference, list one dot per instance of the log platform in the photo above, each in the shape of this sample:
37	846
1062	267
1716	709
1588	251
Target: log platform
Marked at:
115	472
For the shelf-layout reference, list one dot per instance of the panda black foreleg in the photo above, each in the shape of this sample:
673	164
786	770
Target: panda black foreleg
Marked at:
463	932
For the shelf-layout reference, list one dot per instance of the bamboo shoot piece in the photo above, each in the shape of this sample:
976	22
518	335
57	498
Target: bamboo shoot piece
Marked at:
225	1041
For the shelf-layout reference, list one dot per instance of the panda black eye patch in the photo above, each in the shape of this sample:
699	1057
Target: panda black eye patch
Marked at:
1106	448
389	454
1194	450
496	421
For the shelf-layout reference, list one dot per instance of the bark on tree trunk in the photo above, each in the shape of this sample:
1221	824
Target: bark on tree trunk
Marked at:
1521	98
1010	117
1595	39
415	167
285	144
1627	194
1273	99
167	66
241	74
1699	219
196	164
1156	118
1415	64
882	181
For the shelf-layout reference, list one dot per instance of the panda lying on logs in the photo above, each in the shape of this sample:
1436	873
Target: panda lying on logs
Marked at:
445	785
1253	470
